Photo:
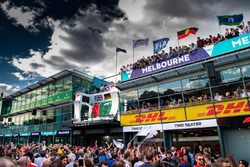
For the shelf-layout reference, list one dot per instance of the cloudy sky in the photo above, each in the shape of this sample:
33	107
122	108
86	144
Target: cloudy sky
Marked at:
42	37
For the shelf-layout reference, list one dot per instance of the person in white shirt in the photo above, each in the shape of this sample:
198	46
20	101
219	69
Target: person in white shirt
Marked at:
140	161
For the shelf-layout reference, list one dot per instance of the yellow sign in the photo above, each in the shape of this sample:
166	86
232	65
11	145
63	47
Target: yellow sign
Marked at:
221	109
171	115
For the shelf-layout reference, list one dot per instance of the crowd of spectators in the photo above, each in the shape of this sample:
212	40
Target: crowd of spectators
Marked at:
174	101
182	50
144	155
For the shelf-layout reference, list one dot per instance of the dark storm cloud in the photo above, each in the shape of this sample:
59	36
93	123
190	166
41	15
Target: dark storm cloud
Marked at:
84	29
60	9
195	9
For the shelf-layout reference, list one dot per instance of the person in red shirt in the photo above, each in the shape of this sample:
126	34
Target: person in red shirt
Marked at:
199	160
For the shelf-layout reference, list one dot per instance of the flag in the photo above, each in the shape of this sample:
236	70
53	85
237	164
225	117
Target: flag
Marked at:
140	42
98	82
118	144
160	44
184	33
230	20
144	131
121	50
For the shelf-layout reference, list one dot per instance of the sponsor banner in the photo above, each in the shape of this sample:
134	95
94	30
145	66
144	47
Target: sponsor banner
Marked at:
138	128
231	45
190	124
170	115
169	63
63	132
174	126
8	135
48	133
1	135
35	133
24	134
223	109
15	134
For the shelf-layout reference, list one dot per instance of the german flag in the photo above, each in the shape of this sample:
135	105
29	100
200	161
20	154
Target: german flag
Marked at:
184	33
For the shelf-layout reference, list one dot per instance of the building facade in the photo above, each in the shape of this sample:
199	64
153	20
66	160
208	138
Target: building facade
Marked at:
205	102
43	112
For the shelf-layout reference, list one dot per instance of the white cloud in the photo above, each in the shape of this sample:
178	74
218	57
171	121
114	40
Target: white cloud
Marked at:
19	76
23	16
8	89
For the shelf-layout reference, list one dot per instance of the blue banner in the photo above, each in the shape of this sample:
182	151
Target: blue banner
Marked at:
160	44
231	45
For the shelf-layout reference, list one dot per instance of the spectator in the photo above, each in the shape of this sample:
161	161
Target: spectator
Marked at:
39	161
217	97
199	160
149	159
243	163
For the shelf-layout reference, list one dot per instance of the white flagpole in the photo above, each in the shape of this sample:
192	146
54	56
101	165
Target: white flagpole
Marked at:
219	24
115	66
133	53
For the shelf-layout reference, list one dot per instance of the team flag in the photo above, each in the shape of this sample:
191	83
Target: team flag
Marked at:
184	33
140	42
231	20
121	50
160	44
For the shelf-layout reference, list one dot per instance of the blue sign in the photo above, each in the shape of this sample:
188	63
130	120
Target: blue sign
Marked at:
24	134
35	133
63	132
160	44
231	45
15	134
48	133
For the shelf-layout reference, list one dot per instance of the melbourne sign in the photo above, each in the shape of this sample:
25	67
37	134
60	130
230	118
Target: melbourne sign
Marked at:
169	63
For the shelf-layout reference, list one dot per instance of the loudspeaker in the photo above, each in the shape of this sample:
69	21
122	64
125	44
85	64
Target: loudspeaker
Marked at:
34	111
210	70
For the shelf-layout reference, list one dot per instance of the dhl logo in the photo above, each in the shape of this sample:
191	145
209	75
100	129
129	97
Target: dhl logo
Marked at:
151	117
231	108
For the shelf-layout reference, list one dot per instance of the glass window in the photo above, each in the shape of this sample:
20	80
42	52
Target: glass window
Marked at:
147	93
44	92
77	83
246	71
67	83
38	94
195	82
59	86
169	88
228	91
197	97
51	89
50	116
129	101
230	75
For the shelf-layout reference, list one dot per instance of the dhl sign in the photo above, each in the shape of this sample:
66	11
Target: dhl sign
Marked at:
171	115
223	109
